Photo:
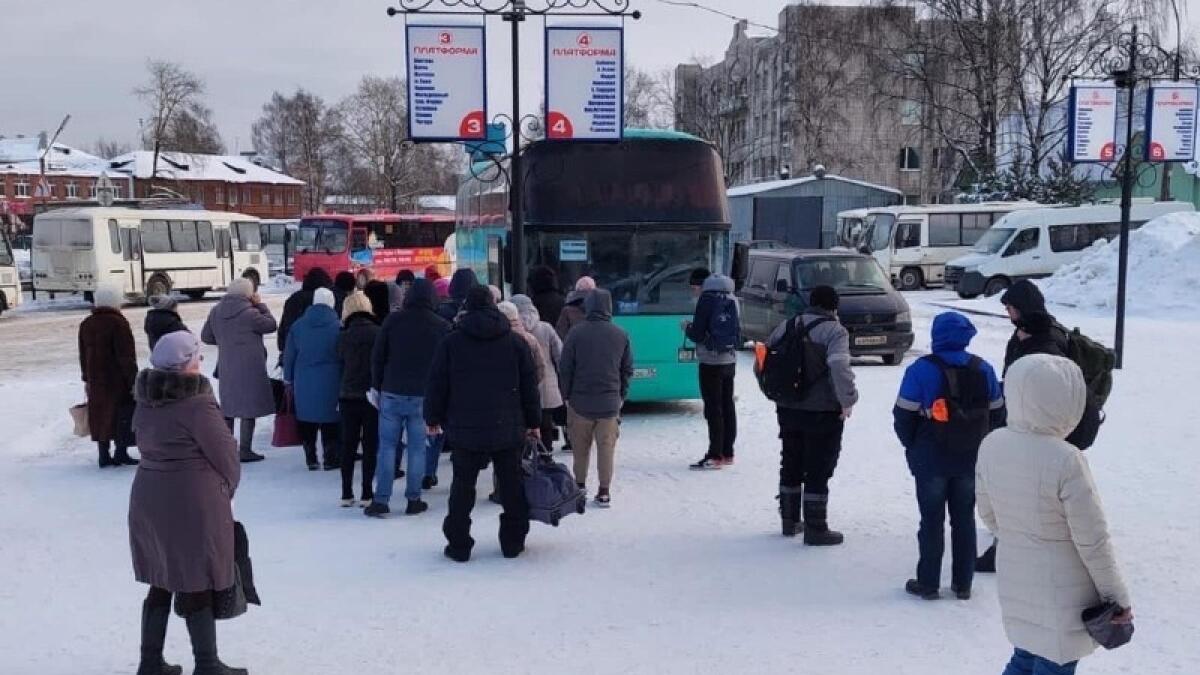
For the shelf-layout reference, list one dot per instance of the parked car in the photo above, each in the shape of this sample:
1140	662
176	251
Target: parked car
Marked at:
777	283
1034	244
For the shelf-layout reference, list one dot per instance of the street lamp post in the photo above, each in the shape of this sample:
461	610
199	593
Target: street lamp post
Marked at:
1133	60
516	12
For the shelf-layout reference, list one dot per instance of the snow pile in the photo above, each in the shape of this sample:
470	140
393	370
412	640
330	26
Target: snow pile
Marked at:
1164	270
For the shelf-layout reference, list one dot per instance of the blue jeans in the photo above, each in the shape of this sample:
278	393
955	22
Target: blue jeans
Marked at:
397	414
1024	663
433	453
936	495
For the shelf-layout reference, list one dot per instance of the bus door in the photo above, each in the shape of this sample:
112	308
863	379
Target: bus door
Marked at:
131	256
225	255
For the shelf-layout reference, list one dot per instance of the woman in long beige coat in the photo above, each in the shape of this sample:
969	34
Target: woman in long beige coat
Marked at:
1035	491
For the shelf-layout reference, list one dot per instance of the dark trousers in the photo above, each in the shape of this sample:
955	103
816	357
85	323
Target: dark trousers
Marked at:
514	521
246	439
812	442
936	495
329	440
185	603
360	421
548	428
716	388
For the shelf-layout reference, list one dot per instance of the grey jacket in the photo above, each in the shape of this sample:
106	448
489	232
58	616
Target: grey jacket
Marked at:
717	284
597	362
236	327
836	390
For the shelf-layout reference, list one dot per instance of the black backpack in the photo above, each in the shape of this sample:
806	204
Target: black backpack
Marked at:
782	370
1095	360
961	416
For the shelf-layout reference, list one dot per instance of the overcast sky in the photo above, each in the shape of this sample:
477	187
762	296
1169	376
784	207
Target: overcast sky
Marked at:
84	57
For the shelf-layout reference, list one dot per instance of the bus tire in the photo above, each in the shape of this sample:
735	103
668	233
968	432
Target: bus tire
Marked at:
157	285
196	293
968	296
911	279
3	304
252	275
996	286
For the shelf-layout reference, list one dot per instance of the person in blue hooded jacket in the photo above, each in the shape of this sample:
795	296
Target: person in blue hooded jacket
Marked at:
312	367
948	402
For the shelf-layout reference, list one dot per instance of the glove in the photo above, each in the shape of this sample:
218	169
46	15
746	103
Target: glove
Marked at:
373	398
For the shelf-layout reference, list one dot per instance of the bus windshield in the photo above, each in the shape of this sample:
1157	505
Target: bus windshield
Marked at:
880	225
631	182
322	236
646	271
993	240
847	275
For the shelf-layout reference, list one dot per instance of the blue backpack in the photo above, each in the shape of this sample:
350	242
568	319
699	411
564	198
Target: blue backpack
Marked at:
724	330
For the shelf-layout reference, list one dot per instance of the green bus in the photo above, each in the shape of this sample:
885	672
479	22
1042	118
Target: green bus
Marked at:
637	216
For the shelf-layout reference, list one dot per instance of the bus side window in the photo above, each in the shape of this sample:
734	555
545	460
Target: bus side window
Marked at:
114	237
1026	240
908	235
131	244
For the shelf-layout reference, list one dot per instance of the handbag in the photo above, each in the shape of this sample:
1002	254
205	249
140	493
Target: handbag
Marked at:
1098	621
230	603
286	433
79	417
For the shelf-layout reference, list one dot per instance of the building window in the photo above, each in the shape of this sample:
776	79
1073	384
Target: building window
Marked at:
910	159
293	197
118	191
22	189
914	65
278	198
246	196
910	113
912	200
233	196
220	196
72	191
936	159
264	197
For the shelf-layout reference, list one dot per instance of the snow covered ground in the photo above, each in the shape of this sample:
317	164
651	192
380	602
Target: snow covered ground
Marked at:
686	573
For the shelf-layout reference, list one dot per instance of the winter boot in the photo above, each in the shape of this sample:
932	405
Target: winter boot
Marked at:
121	457
246	456
154	633
914	587
816	527
986	563
203	630
106	459
416	507
310	456
789	510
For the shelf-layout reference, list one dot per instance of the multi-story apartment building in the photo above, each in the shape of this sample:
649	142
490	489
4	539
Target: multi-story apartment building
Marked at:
832	87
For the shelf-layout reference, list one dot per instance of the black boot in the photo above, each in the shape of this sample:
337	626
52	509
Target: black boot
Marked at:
986	563
154	633
106	459
203	630
310	456
816	526
121	457
789	510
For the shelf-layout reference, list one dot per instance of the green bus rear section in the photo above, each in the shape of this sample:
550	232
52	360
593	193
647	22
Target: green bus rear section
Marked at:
658	373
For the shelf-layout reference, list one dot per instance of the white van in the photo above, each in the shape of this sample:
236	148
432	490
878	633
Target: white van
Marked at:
1034	244
145	252
10	277
851	225
914	243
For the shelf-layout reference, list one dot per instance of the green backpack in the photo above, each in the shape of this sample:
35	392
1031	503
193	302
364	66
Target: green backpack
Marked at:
1096	361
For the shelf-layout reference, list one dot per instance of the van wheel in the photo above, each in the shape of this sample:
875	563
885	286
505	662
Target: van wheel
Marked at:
968	296
157	286
196	293
893	359
252	275
996	286
911	279
89	297
3	304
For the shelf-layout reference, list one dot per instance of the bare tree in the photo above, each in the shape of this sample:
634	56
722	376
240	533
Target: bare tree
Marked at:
301	134
647	101
109	149
271	132
168	91
711	102
193	130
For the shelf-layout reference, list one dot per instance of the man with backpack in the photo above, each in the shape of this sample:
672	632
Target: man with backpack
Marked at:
1038	332
948	402
806	371
716	330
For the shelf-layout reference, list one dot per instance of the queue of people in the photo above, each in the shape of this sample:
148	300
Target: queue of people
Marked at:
452	368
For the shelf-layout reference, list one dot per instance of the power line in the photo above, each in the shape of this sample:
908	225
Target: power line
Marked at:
711	10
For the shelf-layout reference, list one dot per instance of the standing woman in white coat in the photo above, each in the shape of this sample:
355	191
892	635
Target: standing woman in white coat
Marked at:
1035	491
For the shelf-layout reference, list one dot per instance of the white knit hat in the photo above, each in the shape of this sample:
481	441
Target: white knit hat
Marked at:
324	296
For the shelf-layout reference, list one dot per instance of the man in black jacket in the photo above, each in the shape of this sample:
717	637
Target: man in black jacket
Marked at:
483	394
300	301
400	365
1037	332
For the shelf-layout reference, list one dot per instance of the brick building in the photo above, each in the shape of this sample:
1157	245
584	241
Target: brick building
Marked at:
70	173
219	182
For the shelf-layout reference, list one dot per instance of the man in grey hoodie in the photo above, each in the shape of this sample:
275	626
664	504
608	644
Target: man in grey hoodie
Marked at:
594	374
811	429
716	329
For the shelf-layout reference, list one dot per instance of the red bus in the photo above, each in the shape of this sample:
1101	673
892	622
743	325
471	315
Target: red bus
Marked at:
378	244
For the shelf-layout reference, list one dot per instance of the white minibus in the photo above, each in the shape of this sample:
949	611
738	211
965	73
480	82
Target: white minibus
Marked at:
914	243
850	227
144	252
1035	243
10	277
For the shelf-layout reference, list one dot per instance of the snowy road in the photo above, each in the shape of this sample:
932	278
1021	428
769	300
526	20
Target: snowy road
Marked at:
685	574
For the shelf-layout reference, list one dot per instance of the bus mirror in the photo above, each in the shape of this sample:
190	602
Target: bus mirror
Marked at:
739	265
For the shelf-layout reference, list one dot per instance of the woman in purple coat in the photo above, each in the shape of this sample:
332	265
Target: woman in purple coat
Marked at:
180	515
